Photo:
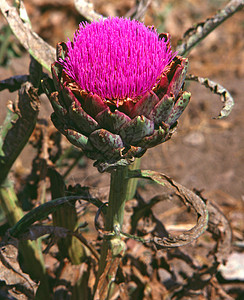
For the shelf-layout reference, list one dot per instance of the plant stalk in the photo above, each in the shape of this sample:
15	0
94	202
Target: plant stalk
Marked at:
121	189
132	184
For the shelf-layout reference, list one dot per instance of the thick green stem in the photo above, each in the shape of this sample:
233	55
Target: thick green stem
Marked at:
132	185
117	197
121	189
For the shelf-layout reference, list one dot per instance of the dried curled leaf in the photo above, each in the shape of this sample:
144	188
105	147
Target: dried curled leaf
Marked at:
18	127
218	89
189	198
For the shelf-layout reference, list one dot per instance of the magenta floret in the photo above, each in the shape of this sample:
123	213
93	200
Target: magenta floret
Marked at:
116	58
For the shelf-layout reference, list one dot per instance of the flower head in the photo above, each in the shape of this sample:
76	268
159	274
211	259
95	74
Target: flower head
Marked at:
117	89
116	58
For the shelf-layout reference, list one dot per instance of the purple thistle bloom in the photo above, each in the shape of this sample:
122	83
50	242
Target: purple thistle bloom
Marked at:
117	89
116	58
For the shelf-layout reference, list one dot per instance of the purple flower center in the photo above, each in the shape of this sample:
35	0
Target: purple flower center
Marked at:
116	58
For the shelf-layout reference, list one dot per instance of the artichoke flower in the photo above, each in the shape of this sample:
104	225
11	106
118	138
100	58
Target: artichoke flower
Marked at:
117	89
